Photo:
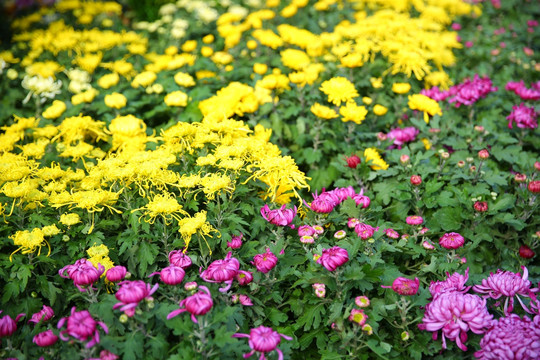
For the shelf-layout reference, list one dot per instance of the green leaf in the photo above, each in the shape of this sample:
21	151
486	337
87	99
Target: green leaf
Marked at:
448	218
146	254
432	186
504	202
133	347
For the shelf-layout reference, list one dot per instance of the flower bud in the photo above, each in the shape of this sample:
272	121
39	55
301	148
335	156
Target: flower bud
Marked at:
460	163
481	206
382	136
519	178
469	159
472	168
404	159
445	155
123	318
534	186
479	128
340	234
368	329
483	154
416	180
537	165
192	285
526	252
362	301
405	336
353	161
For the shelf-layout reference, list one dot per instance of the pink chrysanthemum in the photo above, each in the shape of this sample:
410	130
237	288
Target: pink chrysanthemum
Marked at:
334	257
452	241
455	313
508	284
454	282
263	340
222	271
511	338
523	116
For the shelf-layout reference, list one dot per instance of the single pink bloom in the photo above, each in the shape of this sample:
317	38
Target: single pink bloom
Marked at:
82	272
365	231
107	355
263	340
280	217
358	316
414	220
452	241
236	242
403	136
131	293
244	277
455	313
171	275
511	338
222	271
404	286
242	299
334	257
523	116
509	285
116	274
454	282
362	301
306	230
265	262
179	258
8	325
45	338
199	303
82	326
44	314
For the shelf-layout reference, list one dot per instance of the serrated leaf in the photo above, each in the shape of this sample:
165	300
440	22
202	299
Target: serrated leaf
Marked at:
146	254
504	202
133	346
448	218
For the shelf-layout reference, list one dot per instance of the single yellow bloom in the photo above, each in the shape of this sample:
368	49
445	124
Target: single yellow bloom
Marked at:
423	103
339	90
189	46
176	98
367	100
401	88
184	79
323	112
115	100
376	82
380	110
377	163
55	110
260	69
353	112
108	80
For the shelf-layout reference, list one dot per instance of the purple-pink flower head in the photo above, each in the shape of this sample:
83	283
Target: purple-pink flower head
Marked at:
263	340
404	286
179	258
280	217
306	230
197	304
324	203
334	257
8	325
236	242
45	338
116	274
403	136
452	241
358	316
508	284
391	233
83	273
242	299
365	231
414	220
131	293
454	282
362	200
82	326
522	91
171	275
244	277
456	313
44	314
222	271
523	116
344	193
470	91
265	262
511	338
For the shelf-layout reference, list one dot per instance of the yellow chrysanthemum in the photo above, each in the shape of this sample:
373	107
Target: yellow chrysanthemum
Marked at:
401	88
353	112
70	219
323	112
377	163
339	89
423	103
197	224
28	241
165	206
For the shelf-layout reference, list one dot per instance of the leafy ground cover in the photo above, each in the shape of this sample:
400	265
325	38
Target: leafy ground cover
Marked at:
281	179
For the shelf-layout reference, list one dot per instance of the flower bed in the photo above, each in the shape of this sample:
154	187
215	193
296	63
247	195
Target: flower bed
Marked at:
305	179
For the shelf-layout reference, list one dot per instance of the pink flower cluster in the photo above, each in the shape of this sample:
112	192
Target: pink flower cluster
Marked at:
326	201
524	117
365	231
511	338
519	88
309	233
466	93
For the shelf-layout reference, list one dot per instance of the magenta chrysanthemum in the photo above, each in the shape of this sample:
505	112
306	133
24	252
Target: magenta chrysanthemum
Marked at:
454	282
263	340
508	284
511	338
455	313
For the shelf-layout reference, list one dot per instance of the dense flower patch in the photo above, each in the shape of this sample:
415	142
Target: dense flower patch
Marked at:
305	179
